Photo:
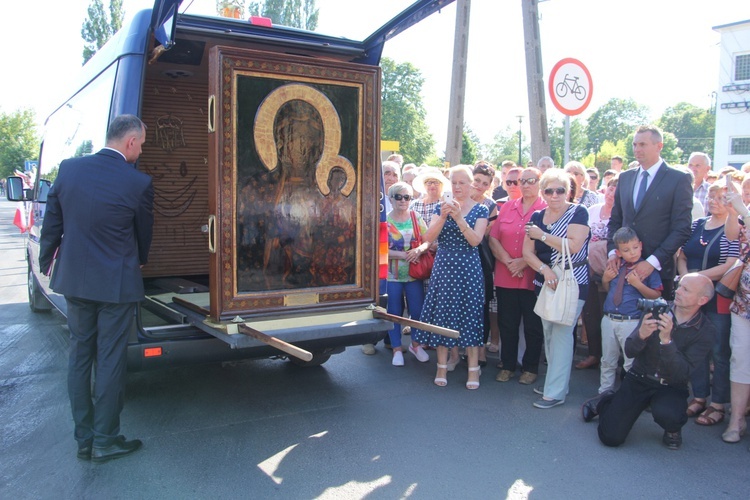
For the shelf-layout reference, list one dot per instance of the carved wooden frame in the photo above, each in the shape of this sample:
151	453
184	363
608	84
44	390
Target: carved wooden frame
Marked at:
226	66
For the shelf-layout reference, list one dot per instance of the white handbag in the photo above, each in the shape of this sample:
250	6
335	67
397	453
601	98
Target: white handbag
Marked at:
560	305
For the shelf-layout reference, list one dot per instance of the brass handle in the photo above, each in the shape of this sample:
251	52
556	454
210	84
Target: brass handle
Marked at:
212	233
211	112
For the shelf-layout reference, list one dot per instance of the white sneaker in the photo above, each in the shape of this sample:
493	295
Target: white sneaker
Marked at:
398	358
419	353
368	349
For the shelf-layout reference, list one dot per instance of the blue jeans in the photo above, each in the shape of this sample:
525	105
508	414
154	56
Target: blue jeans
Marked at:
558	347
414	293
700	379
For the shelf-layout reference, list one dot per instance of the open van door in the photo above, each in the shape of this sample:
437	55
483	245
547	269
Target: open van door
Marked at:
163	21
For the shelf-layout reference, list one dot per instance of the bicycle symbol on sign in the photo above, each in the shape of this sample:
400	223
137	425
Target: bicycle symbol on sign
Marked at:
570	83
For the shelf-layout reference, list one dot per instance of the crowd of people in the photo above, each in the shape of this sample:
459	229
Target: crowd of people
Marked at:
644	249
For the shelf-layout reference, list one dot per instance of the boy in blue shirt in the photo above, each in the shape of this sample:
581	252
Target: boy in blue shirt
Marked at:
621	316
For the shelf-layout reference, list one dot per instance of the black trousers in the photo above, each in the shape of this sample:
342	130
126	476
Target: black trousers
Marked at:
513	305
619	411
99	333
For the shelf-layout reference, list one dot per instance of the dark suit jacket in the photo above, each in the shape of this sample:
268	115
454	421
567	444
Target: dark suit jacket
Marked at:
664	218
100	215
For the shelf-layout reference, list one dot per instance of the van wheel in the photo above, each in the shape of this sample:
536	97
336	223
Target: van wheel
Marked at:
37	301
318	359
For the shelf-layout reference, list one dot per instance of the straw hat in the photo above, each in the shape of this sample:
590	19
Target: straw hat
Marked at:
429	173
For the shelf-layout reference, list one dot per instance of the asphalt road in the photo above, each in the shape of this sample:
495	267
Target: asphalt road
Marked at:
356	427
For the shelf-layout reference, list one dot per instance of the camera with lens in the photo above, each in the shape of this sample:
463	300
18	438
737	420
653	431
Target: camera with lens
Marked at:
656	307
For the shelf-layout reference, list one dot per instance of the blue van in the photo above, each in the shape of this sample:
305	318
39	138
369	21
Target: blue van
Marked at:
263	147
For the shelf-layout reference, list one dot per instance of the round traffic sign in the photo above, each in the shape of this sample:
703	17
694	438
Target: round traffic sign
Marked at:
570	86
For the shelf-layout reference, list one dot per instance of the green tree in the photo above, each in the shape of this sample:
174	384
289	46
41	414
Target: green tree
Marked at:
505	147
99	27
469	146
18	140
694	128
614	121
578	140
293	13
403	114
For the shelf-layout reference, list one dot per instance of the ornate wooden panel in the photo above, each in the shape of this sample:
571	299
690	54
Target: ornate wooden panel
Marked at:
176	156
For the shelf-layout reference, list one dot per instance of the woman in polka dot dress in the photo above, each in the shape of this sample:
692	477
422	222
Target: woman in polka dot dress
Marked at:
456	293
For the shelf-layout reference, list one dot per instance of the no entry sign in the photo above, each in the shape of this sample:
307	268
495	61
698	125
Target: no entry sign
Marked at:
570	86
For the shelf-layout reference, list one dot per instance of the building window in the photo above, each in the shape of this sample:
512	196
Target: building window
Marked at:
742	67
740	146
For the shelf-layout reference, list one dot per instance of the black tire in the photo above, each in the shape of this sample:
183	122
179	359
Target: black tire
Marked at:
318	359
37	301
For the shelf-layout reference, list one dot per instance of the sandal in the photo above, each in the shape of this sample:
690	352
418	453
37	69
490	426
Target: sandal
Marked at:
493	348
441	381
711	416
695	407
474	384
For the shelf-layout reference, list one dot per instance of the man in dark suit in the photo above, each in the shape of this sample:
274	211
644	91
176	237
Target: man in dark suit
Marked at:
655	200
98	224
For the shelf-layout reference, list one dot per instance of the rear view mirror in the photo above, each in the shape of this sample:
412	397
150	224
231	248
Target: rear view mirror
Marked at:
14	189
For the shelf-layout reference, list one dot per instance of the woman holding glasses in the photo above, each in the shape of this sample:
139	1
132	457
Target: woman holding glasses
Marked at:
544	239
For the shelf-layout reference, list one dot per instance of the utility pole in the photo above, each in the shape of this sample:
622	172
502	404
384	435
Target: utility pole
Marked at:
458	84
535	80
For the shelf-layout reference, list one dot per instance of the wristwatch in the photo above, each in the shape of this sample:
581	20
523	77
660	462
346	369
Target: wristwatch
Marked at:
544	237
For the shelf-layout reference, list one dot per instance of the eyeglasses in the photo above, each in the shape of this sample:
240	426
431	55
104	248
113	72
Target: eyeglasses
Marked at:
399	197
431	182
509	182
550	191
530	181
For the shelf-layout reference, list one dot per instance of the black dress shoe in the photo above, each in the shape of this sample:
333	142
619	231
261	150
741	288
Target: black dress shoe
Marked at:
84	451
673	440
118	449
589	409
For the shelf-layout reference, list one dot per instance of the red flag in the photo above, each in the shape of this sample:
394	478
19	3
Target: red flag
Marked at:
23	220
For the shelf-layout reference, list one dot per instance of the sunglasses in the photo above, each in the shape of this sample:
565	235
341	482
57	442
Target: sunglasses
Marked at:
550	191
511	183
530	181
399	197
593	177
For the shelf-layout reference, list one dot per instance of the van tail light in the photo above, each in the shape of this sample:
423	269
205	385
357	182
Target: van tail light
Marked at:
152	352
383	251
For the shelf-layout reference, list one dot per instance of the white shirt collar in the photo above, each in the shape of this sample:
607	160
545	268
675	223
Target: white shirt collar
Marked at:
653	169
118	152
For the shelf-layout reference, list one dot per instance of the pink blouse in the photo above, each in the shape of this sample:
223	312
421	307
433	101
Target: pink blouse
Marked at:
509	231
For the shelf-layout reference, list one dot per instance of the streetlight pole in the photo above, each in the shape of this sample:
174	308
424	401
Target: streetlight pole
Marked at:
520	119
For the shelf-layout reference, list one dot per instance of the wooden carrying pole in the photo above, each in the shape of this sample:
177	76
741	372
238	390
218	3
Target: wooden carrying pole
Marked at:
274	342
381	313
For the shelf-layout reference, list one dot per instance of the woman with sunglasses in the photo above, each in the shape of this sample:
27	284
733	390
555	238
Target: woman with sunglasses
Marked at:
514	282
544	239
400	254
483	175
512	186
456	293
582	195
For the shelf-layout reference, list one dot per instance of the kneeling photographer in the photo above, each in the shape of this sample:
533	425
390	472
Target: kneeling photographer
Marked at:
667	347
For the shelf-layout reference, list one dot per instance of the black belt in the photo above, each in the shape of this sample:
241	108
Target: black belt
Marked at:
578	264
621	317
652	378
